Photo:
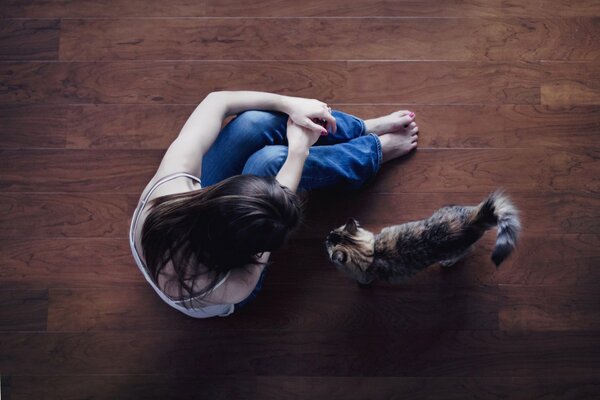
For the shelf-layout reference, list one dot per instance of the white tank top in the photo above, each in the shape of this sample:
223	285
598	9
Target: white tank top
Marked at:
187	306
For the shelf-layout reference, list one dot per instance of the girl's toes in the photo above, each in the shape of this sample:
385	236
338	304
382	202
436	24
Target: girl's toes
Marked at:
412	124
414	138
414	130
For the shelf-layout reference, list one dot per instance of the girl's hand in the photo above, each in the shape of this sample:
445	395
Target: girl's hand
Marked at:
300	138
305	112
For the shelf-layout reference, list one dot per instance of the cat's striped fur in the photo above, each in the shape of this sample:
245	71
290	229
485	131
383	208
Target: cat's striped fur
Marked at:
399	251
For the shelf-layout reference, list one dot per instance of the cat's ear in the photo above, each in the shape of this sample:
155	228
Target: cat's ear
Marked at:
352	226
339	256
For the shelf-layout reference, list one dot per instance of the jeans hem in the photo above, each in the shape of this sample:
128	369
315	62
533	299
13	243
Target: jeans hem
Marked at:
379	152
364	127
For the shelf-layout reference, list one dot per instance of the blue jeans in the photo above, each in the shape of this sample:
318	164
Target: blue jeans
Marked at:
255	143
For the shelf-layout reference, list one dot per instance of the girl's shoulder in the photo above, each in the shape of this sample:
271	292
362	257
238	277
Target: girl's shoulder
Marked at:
170	184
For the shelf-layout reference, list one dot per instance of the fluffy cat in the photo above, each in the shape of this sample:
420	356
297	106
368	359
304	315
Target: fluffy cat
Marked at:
400	251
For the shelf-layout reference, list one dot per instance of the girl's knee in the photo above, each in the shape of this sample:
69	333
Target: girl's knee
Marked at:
255	119
266	162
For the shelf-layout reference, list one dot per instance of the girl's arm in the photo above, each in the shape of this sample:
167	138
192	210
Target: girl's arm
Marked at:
300	139
203	126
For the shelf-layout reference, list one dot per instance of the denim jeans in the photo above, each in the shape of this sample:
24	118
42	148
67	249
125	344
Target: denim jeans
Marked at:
255	143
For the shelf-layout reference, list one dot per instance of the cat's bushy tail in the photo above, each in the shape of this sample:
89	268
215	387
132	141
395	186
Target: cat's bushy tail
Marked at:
498	210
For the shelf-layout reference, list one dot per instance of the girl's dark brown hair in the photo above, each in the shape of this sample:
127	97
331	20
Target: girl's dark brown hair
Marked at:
218	228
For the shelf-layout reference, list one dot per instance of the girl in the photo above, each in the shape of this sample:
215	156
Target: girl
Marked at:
223	199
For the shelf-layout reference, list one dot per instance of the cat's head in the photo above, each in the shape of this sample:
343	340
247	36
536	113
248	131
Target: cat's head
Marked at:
350	248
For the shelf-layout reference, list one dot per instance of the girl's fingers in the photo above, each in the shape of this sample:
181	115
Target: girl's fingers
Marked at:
330	120
315	127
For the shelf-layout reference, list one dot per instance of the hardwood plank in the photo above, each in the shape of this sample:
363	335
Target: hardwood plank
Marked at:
524	308
30	215
565	260
104	126
425	388
284	308
458	39
154	126
32	82
55	263
23	310
310	8
29	39
77	170
133	387
109	126
570	212
127	387
348	82
32	126
526	170
400	353
568	84
427	170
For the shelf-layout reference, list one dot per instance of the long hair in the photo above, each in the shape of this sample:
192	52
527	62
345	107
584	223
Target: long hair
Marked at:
218	228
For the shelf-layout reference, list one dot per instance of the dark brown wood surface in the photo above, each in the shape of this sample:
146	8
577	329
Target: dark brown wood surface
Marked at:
507	95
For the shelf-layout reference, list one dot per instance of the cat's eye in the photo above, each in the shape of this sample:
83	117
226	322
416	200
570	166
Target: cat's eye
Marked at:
334	238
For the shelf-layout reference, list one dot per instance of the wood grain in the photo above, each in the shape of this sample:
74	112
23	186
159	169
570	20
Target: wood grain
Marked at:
568	84
557	260
540	213
125	126
77	170
154	126
23	310
78	263
431	353
29	39
524	170
216	387
283	308
32	126
342	82
30	215
457	39
159	387
465	170
310	8
546	309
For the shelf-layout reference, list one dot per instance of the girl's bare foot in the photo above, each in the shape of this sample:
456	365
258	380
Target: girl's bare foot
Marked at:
398	133
397	144
393	122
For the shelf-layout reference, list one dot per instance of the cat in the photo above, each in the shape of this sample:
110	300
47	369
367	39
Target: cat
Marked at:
400	251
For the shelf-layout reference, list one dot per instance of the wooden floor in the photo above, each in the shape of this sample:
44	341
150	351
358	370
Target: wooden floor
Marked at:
507	94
